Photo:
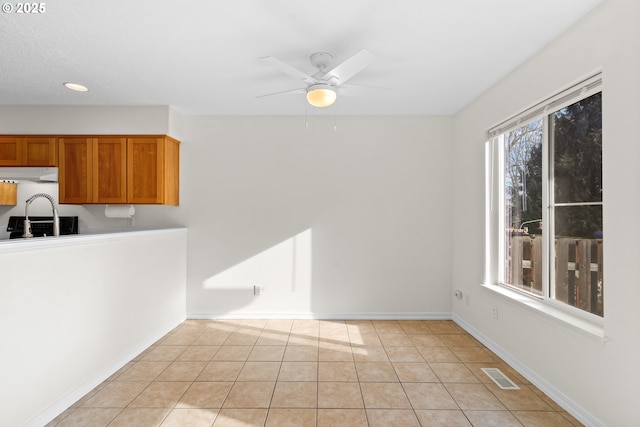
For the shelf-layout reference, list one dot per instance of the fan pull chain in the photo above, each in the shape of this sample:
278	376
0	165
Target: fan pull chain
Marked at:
306	116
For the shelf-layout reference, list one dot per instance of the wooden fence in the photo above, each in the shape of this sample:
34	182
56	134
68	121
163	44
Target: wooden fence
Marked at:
578	269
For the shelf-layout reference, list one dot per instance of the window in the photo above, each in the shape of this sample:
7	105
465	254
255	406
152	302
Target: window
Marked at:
546	224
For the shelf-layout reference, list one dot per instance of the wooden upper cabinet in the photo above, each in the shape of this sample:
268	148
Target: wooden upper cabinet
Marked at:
109	170
39	151
93	170
75	170
28	151
103	168
153	165
171	171
11	153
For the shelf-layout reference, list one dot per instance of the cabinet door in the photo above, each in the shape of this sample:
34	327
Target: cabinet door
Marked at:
8	194
39	151
75	170
145	159
109	170
171	171
10	151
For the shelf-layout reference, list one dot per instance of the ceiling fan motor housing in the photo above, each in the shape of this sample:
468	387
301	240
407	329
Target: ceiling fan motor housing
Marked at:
321	60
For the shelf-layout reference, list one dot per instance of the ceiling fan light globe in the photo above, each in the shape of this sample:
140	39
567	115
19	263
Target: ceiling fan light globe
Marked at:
321	95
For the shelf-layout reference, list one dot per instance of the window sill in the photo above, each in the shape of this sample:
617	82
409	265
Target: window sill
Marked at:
585	326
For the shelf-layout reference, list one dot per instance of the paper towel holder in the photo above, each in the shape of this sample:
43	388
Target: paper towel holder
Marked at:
119	211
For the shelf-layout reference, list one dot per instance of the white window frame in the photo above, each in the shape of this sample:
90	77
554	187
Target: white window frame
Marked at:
494	210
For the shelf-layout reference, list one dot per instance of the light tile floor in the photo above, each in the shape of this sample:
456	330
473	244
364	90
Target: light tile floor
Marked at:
319	373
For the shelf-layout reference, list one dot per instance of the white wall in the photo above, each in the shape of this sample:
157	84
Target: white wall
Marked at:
603	379
84	120
334	223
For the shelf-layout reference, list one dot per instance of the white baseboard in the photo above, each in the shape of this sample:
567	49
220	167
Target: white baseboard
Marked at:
65	402
325	316
560	398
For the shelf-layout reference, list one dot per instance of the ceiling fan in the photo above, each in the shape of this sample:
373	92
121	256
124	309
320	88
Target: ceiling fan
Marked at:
322	86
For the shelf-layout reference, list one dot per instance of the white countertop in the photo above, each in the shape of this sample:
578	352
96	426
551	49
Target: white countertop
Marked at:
85	236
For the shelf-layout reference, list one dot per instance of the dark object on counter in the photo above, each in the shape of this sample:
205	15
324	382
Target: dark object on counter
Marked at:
41	226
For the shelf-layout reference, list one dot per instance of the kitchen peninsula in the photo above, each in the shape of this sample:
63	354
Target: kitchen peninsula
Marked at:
74	309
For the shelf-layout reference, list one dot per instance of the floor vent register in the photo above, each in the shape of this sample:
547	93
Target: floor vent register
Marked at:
500	379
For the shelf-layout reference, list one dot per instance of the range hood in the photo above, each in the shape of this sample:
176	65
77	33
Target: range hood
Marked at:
34	174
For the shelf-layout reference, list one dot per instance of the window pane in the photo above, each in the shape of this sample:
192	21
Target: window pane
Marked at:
577	174
577	151
579	256
580	222
522	250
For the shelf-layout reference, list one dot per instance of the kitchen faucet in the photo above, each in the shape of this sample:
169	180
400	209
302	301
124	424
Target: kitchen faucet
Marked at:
27	222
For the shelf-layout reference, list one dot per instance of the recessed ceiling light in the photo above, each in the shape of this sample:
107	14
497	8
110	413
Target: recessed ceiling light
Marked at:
75	86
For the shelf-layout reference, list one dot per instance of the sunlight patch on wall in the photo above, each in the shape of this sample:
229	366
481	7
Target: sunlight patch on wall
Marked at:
284	268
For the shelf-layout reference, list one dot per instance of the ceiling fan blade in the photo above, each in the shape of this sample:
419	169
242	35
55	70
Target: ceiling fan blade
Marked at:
284	92
349	68
288	69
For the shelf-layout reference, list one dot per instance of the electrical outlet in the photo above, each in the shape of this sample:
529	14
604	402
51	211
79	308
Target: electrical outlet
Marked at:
458	294
494	312
257	290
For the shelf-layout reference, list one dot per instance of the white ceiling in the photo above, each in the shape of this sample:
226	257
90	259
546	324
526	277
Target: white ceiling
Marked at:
203	56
